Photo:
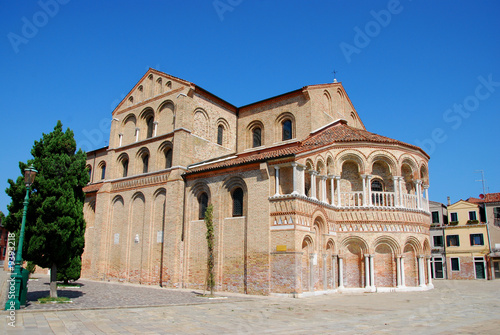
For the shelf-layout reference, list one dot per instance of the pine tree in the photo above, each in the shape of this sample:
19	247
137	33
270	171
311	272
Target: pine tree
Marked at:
55	227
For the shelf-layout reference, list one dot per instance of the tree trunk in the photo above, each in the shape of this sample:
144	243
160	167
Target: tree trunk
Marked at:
53	281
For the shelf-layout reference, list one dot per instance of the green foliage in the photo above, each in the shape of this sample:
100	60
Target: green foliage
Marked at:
54	300
55	228
210	243
31	267
70	271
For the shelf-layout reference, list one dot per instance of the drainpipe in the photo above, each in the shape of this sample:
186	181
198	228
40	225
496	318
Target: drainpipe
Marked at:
488	258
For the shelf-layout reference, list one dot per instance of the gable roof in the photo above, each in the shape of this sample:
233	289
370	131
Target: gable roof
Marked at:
335	132
464	203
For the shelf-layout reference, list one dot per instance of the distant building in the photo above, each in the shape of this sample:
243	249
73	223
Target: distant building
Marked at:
490	204
439	221
466	242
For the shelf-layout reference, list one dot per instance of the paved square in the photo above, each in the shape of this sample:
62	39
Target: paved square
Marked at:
454	307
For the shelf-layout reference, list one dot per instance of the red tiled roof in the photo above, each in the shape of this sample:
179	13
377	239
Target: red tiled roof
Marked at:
338	132
92	188
488	197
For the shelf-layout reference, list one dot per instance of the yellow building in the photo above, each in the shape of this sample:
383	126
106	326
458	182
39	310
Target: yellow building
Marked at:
466	242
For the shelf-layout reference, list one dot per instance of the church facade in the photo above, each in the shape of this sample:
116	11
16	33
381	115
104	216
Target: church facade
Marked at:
305	199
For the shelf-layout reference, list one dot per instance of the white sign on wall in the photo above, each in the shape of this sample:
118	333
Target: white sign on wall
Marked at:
159	237
117	238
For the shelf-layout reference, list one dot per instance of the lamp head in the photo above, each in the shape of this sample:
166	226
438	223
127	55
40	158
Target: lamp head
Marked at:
29	175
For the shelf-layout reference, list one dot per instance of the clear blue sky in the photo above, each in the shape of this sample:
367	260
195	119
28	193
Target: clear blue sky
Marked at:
403	65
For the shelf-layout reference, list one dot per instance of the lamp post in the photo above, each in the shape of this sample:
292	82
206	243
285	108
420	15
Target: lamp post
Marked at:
20	285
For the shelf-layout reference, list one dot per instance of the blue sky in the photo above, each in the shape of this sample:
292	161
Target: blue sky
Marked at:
423	72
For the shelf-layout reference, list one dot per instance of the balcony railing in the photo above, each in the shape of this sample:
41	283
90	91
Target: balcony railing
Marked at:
357	199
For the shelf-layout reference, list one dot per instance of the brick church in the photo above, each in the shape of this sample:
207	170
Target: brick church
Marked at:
306	200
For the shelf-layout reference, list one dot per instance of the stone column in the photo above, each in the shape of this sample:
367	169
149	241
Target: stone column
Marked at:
372	271
277	180
294	178
367	271
337	183
155	123
313	184
311	272
363	176
403	284
120	139
334	268
397	202
369	177
417	191
398	271
421	272
426	190
341	272
325	285
400	187
323	196
301	179
429	270
332	190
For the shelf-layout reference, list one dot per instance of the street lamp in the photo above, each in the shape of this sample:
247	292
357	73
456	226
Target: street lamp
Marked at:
17	275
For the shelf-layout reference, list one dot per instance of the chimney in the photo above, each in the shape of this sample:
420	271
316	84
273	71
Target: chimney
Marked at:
449	202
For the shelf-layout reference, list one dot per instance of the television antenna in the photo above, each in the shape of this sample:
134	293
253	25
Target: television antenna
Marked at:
482	180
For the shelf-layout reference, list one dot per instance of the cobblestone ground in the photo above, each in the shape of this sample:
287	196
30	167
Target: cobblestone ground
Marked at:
453	307
95	294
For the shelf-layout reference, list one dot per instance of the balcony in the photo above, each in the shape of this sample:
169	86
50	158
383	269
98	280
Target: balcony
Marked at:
357	200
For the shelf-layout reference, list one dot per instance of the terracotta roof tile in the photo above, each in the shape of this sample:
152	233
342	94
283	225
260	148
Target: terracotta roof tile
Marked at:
488	197
338	132
92	188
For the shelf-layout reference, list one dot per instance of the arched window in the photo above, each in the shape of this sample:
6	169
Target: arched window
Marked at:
145	163
220	134
377	186
203	204
168	158
150	122
103	171
238	202
257	137
90	172
125	167
287	130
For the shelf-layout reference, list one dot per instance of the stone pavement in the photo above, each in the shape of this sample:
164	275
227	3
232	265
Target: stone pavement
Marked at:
454	307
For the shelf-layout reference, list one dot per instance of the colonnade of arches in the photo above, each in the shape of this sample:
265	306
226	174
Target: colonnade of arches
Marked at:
283	129
352	180
359	262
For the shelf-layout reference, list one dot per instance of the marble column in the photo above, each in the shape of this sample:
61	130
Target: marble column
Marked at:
337	183
403	283
325	272
372	271
369	177
341	272
332	190
294	179
367	271
398	271
277	180
313	184
397	202
429	271
363	176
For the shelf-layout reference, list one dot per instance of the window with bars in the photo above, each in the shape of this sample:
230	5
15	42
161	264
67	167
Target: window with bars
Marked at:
237	202
203	204
286	130
257	137
220	134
